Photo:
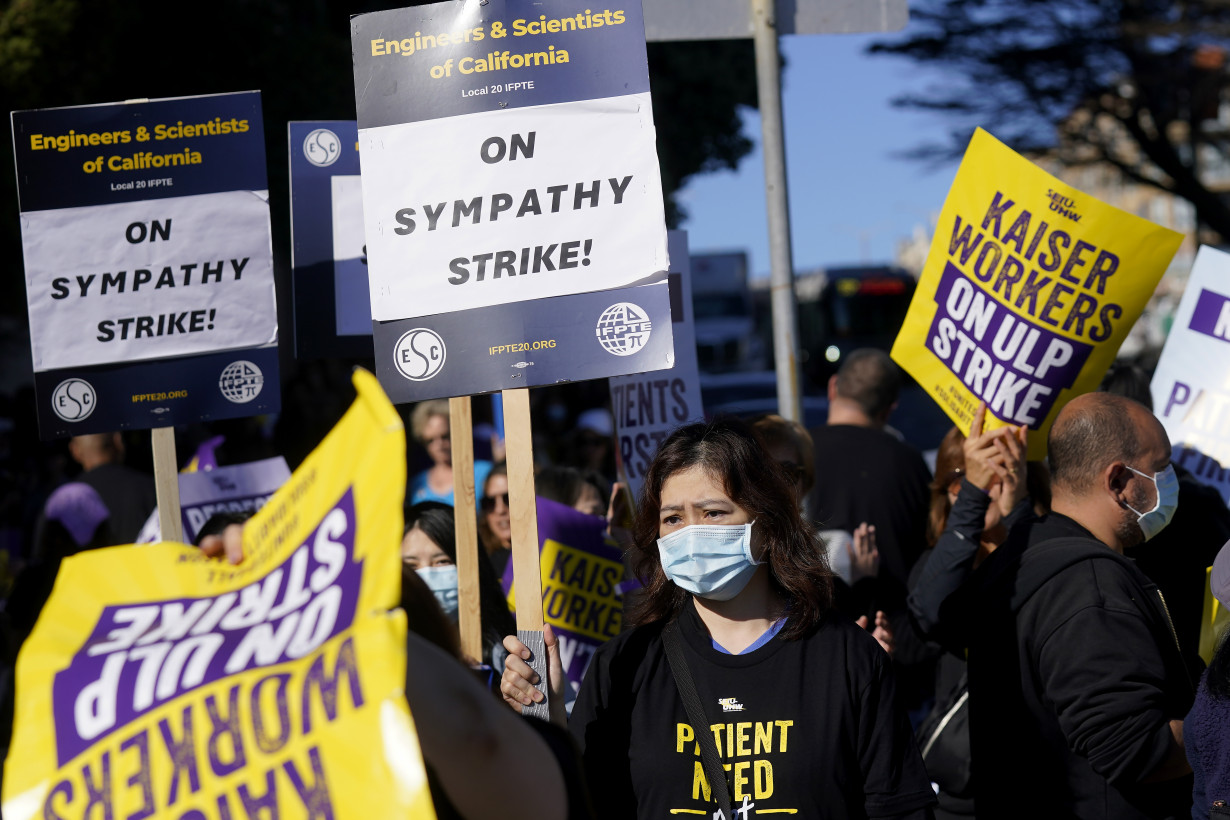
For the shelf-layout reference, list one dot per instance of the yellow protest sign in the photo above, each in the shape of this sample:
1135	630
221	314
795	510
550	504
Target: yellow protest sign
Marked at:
1213	622
582	576
160	683
1029	288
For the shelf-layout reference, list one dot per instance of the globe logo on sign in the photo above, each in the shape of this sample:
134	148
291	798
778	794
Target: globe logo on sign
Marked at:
623	329
322	147
73	399
419	354
241	381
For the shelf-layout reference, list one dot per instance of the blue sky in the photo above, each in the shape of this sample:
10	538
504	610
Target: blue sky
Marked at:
849	193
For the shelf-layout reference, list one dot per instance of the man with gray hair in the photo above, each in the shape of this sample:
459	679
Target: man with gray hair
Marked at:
1077	685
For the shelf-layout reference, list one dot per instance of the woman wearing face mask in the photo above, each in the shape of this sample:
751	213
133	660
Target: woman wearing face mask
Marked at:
798	700
430	548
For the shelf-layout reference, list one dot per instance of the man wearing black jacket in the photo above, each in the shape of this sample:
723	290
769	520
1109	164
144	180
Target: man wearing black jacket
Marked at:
1077	685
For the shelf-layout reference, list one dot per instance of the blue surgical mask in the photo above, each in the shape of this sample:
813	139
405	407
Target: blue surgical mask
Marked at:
712	561
1167	485
443	584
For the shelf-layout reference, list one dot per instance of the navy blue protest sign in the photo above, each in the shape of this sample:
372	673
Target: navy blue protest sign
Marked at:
647	407
148	262
507	152
512	201
567	338
333	315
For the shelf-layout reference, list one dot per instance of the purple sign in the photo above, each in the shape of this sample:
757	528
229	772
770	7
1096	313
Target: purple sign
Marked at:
140	656
1016	366
581	579
1212	315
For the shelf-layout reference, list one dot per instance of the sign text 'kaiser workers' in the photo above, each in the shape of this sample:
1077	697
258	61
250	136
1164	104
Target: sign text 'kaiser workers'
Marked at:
145	230
1028	291
1191	385
158	682
508	153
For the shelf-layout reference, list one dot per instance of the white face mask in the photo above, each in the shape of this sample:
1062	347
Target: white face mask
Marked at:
1166	483
713	561
443	584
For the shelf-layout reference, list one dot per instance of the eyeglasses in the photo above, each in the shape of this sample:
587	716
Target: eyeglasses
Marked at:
487	502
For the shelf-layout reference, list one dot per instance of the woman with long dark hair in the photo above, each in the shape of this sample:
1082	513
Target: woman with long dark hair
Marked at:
429	549
795	700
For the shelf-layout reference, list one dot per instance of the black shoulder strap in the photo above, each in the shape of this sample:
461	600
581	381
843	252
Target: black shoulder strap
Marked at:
696	715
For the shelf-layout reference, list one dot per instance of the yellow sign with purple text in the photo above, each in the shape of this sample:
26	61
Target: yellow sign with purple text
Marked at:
1029	288
161	683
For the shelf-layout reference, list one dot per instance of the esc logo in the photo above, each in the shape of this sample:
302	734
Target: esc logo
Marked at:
322	147
73	400
241	381
623	329
419	354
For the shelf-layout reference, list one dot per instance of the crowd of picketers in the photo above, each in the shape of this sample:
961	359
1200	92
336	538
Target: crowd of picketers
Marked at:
821	624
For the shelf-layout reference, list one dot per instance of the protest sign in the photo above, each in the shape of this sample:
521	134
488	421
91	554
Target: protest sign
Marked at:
581	576
507	151
1191	385
568	338
159	682
333	314
235	488
1028	291
145	230
648	407
508	158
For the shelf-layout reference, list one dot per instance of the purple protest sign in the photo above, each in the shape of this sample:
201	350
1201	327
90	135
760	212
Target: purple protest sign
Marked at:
1016	366
581	576
141	656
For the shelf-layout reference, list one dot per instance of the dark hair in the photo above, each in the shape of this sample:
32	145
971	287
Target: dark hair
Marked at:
565	484
485	536
949	465
437	523
1130	381
1081	444
730	451
870	379
1217	679
776	431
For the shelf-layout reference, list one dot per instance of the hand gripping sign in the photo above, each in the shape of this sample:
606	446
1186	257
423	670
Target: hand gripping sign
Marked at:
158	682
1191	385
1028	291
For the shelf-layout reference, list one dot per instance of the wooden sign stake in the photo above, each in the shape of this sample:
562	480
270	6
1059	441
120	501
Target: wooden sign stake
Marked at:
166	484
527	573
461	432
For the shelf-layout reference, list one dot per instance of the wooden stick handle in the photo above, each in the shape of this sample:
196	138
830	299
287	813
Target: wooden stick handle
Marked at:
461	433
527	572
527	575
166	484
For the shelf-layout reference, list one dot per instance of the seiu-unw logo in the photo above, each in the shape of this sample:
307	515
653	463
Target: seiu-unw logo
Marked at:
1063	204
730	704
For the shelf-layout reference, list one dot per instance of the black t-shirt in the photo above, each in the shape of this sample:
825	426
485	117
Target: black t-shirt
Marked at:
864	474
806	728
